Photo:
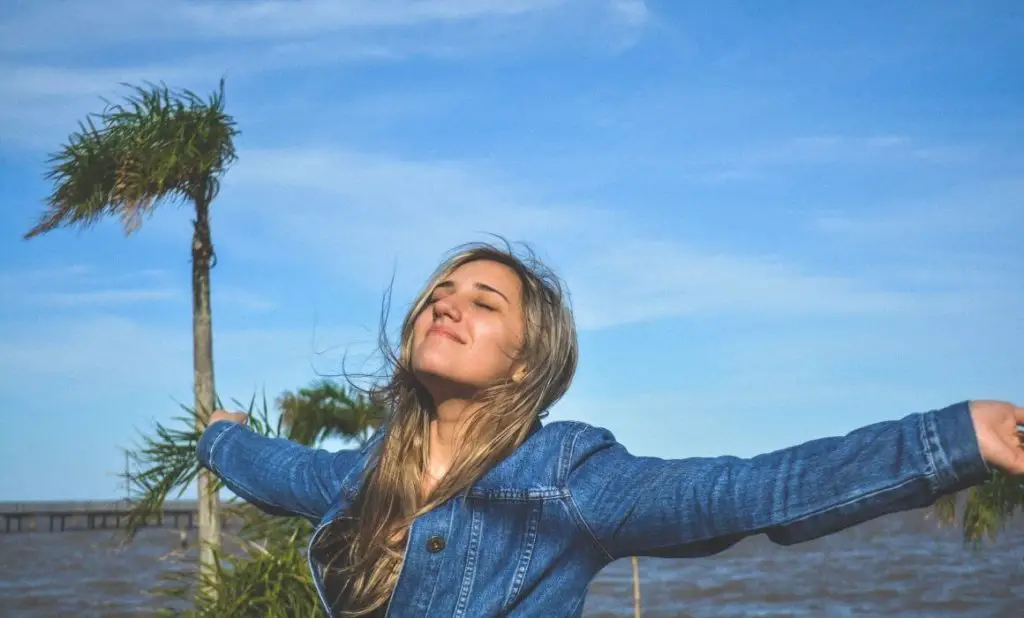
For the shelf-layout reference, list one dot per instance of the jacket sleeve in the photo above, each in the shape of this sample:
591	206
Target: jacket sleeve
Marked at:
277	475
637	506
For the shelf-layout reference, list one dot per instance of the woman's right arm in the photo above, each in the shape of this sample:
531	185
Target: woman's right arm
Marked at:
277	475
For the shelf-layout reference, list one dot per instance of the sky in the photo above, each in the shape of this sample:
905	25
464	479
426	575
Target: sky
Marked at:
777	224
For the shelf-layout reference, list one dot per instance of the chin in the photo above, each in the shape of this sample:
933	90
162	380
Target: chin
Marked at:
430	366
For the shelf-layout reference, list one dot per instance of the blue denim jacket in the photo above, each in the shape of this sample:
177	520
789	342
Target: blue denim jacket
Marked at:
529	536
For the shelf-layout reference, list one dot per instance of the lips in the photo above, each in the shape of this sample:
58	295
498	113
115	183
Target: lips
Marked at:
444	331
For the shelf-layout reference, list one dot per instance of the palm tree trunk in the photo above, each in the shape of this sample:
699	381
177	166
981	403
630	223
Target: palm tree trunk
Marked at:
202	358
636	586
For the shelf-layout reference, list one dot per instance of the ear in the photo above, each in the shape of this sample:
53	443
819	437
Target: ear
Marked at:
519	374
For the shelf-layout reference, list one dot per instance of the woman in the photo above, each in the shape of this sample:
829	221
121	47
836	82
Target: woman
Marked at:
466	505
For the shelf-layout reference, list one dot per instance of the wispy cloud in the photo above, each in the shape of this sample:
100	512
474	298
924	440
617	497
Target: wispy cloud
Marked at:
135	356
247	300
87	287
760	158
962	212
104	297
191	44
363	209
109	23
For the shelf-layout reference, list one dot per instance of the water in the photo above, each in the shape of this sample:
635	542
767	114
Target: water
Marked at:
901	565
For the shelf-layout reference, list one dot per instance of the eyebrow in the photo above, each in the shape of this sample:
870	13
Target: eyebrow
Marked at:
477	285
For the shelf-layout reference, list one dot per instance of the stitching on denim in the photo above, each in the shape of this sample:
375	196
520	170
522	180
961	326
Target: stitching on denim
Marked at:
451	526
518	496
924	435
576	609
565	456
796	520
864	496
575	511
533	523
359	466
216	441
476	525
317	572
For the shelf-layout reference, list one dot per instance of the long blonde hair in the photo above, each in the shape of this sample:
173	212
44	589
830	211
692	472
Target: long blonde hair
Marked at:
368	553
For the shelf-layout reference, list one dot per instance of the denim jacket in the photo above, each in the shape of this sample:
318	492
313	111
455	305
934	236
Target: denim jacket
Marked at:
529	536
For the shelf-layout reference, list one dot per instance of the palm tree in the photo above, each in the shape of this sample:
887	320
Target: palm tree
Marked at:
156	146
325	409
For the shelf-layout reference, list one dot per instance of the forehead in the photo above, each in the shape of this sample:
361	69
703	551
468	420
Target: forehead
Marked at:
489	272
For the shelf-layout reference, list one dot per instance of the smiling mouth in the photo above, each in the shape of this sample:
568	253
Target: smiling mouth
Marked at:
443	332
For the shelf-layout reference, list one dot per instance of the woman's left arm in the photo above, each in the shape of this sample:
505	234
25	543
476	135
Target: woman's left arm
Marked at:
633	505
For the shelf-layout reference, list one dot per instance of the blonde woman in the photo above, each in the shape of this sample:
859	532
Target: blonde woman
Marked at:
465	504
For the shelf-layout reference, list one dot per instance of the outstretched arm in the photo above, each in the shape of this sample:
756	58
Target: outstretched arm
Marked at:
633	505
278	476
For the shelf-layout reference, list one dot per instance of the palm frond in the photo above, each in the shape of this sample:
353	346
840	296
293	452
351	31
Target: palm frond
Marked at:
985	510
325	409
166	463
155	146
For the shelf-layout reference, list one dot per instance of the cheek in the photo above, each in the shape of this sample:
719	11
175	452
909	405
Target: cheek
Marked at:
419	330
499	344
420	325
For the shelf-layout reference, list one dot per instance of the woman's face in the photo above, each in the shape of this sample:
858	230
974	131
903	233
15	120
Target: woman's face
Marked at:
467	336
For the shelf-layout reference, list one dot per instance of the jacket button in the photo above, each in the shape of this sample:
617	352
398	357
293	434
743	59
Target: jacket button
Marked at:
435	544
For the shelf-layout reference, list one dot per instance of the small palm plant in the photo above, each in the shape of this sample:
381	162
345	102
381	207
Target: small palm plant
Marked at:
984	510
265	572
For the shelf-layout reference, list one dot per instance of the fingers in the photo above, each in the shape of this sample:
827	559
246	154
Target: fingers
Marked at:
224	415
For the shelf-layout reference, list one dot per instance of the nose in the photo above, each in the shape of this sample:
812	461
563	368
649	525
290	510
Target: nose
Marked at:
447	307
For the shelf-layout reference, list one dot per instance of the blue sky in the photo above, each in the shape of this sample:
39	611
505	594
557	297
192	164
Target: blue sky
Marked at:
777	224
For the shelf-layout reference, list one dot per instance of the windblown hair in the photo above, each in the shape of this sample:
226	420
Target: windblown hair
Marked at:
366	548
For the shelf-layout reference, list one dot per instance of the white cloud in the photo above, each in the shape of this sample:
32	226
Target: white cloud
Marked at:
190	44
361	211
635	279
108	356
238	297
963	212
86	287
277	18
760	159
104	297
108	23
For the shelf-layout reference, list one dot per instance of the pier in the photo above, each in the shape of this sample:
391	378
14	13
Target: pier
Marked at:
91	515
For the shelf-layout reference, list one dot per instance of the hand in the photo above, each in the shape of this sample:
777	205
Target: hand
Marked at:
995	425
224	415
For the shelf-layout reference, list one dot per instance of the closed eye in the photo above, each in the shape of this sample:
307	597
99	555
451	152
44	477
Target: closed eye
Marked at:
484	306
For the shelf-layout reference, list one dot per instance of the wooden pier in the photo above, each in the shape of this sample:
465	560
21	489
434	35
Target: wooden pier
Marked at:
68	516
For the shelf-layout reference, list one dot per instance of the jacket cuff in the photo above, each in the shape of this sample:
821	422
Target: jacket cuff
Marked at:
952	444
210	440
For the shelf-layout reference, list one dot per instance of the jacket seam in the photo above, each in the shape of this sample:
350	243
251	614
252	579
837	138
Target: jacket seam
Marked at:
476	524
581	521
216	442
525	558
925	436
358	467
436	577
801	518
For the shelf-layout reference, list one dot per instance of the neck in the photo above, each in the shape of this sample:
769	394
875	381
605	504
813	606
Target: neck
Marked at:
445	428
